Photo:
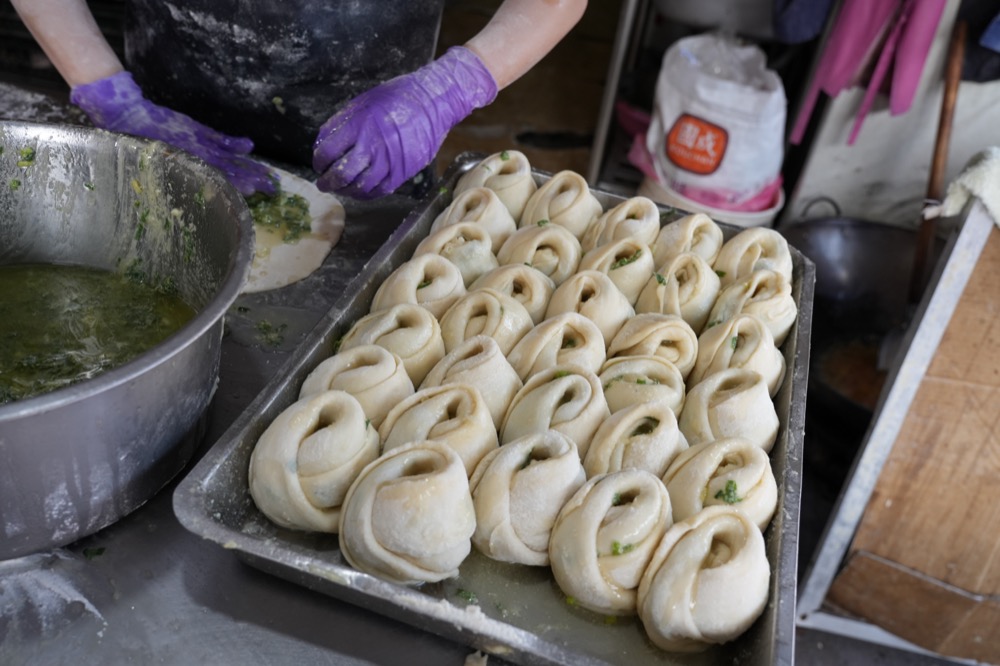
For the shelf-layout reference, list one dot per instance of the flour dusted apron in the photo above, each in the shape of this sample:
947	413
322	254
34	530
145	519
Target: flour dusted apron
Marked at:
273	70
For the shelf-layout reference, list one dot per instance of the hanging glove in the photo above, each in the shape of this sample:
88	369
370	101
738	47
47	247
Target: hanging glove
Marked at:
387	134
116	103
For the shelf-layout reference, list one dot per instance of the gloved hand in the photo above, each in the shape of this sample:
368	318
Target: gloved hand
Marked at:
116	103
386	135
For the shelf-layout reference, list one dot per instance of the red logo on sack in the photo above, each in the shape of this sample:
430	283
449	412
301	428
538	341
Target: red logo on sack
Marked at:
696	145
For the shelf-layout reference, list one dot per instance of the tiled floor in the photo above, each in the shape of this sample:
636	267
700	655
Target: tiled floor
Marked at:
551	115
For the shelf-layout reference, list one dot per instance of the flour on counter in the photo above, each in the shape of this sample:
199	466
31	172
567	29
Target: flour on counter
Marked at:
38	599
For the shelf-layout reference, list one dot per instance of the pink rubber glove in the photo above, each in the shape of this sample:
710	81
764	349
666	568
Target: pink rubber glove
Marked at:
116	103
387	134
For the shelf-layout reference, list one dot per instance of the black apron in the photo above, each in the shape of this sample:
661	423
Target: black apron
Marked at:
274	70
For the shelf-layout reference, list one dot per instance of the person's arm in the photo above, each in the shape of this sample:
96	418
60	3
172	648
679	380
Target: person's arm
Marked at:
521	33
387	134
68	33
99	84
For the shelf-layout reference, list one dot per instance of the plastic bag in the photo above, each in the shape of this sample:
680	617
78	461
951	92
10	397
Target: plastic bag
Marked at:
718	123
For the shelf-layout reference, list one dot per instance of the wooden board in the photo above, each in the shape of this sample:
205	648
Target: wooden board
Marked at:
932	523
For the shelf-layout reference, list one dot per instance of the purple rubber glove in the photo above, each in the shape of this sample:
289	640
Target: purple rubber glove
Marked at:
116	103
386	135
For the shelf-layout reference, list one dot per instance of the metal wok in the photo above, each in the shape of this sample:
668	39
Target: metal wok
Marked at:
863	271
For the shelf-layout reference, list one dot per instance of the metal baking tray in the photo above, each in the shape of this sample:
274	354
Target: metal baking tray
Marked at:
510	611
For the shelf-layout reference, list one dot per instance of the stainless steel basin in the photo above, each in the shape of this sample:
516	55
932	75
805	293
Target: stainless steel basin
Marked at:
79	458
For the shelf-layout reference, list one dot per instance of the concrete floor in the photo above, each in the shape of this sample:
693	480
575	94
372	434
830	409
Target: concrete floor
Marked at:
551	115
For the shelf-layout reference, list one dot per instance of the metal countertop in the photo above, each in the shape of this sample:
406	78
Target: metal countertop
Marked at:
147	591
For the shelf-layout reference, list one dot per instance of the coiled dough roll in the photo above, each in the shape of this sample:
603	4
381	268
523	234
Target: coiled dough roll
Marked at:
605	536
482	206
454	414
595	296
565	339
548	247
653	334
530	287
637	217
567	398
764	293
566	200
741	342
478	361
632	380
375	376
466	244
485	312
734	402
508	173
751	250
641	436
686	286
732	472
706	583
304	462
408	518
518	490
627	261
409	331
696	233
428	280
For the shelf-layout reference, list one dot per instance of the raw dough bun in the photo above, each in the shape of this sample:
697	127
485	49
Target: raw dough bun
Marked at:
453	414
764	293
518	490
605	536
565	199
706	583
408	330
637	218
277	263
751	250
482	206
566	398
696	233
528	286
478	361
408	517
595	296
642	436
734	402
485	312
508	173
550	248
628	262
653	334
741	342
467	245
304	462
686	285
428	280
567	338
372	374
632	380
733	472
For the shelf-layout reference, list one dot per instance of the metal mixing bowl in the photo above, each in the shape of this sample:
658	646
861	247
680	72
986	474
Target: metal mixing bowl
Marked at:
79	458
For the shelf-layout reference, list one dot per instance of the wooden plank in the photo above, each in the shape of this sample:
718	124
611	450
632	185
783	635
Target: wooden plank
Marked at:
904	602
977	637
933	508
